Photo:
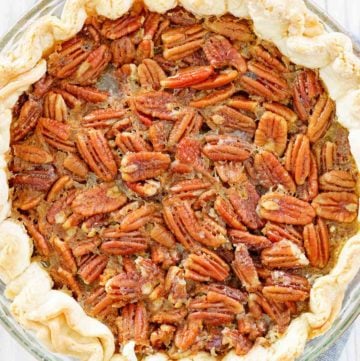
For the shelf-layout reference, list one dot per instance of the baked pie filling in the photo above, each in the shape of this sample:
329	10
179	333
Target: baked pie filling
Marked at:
183	180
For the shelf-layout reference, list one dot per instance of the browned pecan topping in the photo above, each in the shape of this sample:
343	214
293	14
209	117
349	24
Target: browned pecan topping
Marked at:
101	199
182	179
244	268
251	241
307	88
336	206
115	29
228	120
182	41
280	208
55	107
277	232
270	173
220	52
204	266
32	154
143	165
27	120
285	287
283	254
97	154
271	133
319	120
316	243
226	147
338	181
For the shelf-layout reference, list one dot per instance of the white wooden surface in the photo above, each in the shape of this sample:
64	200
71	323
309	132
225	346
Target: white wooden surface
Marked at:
346	12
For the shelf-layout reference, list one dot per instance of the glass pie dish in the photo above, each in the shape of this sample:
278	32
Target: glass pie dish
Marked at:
350	307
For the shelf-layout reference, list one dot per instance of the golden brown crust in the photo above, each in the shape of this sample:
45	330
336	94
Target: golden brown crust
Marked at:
299	35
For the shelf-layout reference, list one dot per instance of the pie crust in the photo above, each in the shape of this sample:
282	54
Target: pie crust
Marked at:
57	318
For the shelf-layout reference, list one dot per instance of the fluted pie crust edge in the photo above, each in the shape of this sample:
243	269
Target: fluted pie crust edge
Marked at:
58	320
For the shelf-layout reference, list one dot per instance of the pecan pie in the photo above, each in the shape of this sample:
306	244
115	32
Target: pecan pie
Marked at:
184	180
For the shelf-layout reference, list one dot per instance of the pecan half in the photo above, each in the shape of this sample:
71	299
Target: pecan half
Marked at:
102	118
280	208
316	243
251	241
92	269
158	134
231	27
66	257
320	118
283	254
227	119
204	265
269	57
172	316
310	189
55	107
278	312
214	309
64	277
57	134
226	147
307	88
245	201
244	268
139	217
277	232
175	286
220	53
125	243
187	77
115	29
338	181
186	334
32	153
298	158
96	152
189	124
151	74
123	51
67	57
133	324
285	287
159	105
75	165
271	133
270	173
89	94
182	41
336	206
143	165
96	62
265	82
41	244
162	235
104	198
188	228
124	288
229	172
326	157
40	179
214	97
27	120
131	142
227	213
217	80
